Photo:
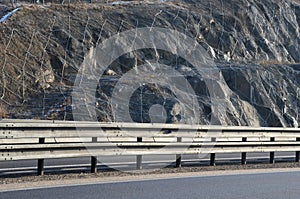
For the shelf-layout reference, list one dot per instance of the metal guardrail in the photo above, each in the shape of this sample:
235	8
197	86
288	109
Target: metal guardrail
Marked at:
31	139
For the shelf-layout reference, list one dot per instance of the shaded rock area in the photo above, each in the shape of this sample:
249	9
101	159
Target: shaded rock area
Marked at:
254	45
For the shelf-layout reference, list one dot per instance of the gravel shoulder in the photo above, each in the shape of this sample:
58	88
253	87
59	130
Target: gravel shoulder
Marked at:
53	180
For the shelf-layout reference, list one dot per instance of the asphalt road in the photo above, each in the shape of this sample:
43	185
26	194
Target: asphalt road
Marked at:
246	186
128	162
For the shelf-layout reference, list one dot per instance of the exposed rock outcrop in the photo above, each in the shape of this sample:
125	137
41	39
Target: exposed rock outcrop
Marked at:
254	44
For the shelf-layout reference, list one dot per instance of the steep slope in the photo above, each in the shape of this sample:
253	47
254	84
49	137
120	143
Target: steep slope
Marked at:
255	45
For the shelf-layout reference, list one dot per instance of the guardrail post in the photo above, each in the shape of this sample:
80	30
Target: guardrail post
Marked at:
213	155
41	162
297	159
272	154
139	157
94	159
178	156
244	154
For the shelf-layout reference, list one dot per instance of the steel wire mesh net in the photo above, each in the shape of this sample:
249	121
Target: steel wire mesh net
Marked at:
253	45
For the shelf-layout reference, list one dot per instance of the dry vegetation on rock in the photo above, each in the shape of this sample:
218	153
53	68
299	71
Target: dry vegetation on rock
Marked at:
255	44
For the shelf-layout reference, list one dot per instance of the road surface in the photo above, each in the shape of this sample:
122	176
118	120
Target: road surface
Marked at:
247	186
128	162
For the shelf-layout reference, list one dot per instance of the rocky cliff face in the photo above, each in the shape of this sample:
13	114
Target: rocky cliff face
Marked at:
253	44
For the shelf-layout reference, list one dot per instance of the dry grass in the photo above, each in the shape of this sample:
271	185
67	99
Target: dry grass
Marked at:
3	112
271	62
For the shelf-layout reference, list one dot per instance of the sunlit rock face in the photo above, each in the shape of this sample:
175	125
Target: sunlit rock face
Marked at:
254	46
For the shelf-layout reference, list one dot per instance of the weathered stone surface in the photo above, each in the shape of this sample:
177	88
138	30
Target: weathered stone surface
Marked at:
255	45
